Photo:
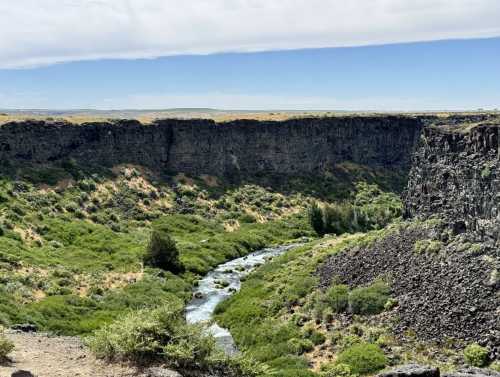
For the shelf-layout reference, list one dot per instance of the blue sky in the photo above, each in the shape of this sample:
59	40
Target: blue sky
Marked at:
124	66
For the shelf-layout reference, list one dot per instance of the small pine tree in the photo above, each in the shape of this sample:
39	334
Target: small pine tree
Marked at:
162	252
316	219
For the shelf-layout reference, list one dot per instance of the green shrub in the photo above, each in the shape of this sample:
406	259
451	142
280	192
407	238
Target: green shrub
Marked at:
391	303
247	218
316	219
6	346
162	251
151	334
369	300
337	297
336	370
314	335
299	346
495	366
475	355
486	172
428	246
363	358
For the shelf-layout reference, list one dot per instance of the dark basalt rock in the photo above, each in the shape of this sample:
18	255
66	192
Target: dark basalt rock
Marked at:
455	175
22	373
412	370
243	148
25	327
440	295
472	372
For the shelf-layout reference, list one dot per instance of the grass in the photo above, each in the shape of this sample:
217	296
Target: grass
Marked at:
71	254
73	241
259	315
280	312
363	358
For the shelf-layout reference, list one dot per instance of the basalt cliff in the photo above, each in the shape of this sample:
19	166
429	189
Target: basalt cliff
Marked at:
453	169
233	149
455	175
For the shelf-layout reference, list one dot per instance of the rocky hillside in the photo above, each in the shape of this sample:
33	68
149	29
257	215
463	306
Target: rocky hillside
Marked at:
455	175
233	149
443	271
446	289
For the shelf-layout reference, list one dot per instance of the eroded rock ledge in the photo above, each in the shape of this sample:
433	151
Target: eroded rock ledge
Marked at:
455	175
233	149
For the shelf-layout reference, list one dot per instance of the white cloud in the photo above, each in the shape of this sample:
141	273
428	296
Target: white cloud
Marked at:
39	32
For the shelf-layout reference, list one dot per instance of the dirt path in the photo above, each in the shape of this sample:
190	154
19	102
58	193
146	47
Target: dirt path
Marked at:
46	356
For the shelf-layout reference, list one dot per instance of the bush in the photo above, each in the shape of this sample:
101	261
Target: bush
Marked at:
495	366
336	370
475	355
314	335
247	218
337	297
316	219
428	246
369	300
363	358
6	346
162	252
154	334
299	346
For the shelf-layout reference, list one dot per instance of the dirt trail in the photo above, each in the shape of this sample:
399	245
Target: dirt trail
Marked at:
46	356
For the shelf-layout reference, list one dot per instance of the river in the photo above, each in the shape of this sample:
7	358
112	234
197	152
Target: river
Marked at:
221	283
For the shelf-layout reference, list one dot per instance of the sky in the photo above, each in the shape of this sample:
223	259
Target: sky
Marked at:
401	55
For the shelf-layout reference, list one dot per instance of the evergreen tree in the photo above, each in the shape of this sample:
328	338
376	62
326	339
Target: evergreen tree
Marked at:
162	252
316	219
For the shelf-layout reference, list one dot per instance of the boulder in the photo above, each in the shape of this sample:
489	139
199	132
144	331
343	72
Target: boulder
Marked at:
472	372
25	327
161	372
22	373
412	370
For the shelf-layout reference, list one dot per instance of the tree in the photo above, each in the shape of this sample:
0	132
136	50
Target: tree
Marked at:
316	219
162	252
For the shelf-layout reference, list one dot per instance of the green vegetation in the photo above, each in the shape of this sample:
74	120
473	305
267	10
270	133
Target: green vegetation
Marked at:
370	209
369	300
162	334
162	252
272	317
81	247
6	346
428	246
71	255
363	358
476	355
337	297
336	370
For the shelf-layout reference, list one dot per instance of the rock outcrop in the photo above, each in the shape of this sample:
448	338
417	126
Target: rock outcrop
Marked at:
414	370
442	294
234	149
455	175
411	370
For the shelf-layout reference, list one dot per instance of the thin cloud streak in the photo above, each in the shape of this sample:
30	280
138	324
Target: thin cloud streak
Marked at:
44	32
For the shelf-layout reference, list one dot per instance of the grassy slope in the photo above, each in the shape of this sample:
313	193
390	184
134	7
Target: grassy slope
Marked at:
70	253
259	315
280	306
72	239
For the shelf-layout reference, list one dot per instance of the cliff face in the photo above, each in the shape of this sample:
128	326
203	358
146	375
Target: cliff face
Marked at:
233	149
455	175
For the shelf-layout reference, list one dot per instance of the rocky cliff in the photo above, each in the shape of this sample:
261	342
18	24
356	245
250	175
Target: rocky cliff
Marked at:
455	175
233	149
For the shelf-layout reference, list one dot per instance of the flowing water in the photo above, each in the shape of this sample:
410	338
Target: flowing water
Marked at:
221	283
